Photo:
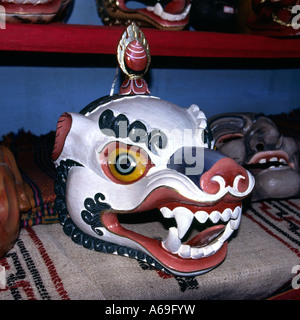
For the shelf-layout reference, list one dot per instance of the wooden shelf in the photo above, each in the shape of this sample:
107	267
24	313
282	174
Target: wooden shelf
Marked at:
66	38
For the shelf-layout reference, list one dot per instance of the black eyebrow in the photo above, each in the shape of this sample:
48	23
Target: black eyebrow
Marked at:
120	127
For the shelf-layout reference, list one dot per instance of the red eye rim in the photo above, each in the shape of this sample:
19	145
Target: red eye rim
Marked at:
115	147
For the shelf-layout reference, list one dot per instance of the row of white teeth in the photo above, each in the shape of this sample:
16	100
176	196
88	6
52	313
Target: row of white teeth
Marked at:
274	159
184	218
26	1
159	11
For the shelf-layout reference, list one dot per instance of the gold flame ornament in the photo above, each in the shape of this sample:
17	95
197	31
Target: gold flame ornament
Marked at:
134	58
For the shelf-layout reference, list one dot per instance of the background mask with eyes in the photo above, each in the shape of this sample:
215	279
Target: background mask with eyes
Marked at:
254	141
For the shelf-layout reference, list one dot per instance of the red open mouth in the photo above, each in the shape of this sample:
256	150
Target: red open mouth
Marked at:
270	159
181	251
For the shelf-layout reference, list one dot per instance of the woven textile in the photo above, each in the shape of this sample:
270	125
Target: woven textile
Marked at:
33	157
46	264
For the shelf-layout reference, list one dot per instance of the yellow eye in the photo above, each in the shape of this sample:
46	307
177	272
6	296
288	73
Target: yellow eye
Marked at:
124	163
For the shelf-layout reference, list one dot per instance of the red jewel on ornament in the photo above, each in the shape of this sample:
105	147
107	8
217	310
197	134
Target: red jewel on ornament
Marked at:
135	56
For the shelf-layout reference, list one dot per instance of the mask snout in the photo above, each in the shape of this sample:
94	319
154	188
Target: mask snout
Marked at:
209	169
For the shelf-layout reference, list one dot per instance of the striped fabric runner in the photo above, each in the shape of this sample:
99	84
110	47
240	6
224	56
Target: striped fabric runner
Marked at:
33	156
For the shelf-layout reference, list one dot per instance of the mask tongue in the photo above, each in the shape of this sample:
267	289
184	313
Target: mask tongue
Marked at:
206	237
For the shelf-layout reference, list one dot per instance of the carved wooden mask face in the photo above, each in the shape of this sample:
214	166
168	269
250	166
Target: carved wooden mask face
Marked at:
254	142
123	157
135	157
275	18
166	14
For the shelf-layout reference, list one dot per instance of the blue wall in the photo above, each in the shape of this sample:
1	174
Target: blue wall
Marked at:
33	97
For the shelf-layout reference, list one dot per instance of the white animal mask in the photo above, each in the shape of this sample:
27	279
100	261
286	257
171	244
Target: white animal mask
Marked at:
130	154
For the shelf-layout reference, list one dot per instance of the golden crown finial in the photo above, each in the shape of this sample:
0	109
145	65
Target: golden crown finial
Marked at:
134	58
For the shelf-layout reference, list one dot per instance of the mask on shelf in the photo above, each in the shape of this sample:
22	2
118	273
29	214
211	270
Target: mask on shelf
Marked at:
275	18
36	11
164	15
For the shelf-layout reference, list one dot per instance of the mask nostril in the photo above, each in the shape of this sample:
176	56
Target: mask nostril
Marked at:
260	147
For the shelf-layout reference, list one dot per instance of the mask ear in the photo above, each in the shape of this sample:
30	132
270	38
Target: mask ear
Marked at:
197	115
62	130
76	136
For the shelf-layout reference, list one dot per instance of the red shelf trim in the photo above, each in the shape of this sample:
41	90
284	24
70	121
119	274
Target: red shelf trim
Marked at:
67	38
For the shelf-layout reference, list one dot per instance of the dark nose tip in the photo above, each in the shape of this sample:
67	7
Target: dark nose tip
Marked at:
263	135
260	147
